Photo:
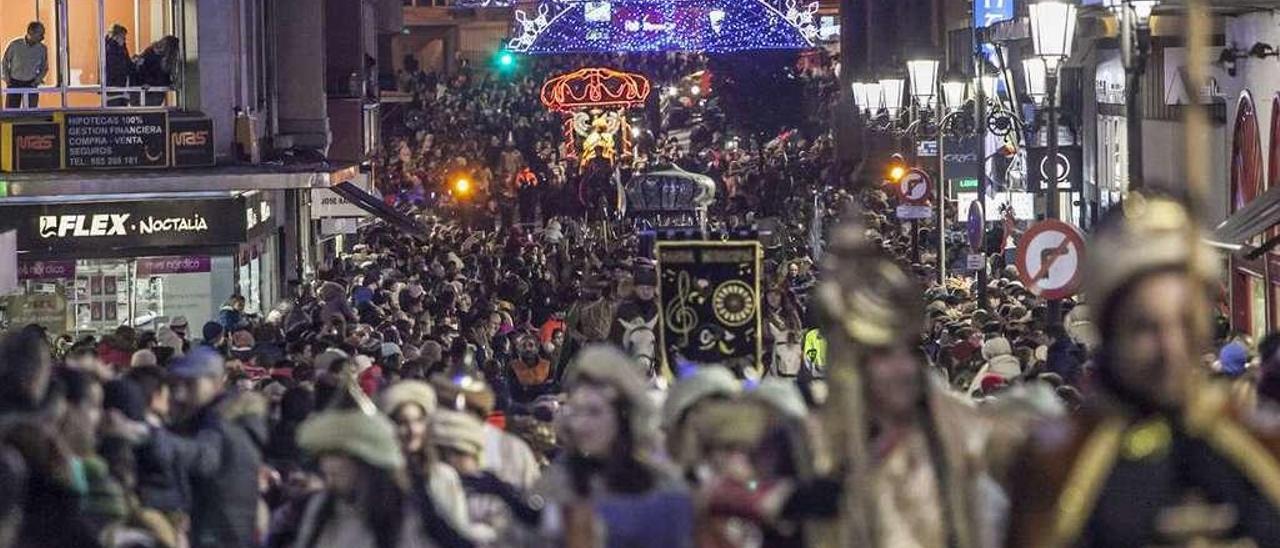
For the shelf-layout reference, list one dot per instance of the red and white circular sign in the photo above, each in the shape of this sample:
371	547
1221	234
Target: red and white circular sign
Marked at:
1050	259
914	188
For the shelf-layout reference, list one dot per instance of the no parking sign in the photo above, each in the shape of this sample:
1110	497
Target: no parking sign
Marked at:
1050	259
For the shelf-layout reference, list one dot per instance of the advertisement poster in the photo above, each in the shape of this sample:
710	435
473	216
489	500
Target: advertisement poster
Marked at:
709	301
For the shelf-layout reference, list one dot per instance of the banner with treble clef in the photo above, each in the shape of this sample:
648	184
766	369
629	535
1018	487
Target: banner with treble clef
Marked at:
709	301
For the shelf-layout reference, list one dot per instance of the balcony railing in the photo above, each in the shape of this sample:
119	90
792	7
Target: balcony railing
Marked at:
107	97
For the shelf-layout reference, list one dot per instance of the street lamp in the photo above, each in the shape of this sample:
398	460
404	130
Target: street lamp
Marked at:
988	82
892	88
924	79
1053	29
953	93
875	97
1134	17
1035	72
860	99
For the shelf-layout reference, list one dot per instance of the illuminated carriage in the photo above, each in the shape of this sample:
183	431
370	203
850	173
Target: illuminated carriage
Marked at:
670	198
595	102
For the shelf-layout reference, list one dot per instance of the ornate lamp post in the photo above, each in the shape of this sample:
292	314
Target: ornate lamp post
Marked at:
1053	29
1134	18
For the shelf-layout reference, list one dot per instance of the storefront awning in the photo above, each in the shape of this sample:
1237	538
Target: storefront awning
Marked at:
217	178
1235	233
379	209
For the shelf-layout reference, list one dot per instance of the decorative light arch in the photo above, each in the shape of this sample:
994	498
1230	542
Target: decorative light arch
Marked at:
716	26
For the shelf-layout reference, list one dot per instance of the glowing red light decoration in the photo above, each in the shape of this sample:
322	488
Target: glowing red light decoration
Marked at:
595	87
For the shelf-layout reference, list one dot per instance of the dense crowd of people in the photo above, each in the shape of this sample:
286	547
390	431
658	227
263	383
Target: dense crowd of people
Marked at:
494	380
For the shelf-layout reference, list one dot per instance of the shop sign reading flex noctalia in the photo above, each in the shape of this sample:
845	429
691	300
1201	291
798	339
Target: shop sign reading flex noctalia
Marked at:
105	225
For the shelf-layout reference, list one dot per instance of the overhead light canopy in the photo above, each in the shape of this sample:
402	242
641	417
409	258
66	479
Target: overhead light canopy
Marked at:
1053	30
1035	72
924	78
953	93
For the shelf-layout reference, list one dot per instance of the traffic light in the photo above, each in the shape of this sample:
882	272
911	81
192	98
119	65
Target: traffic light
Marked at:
897	168
505	61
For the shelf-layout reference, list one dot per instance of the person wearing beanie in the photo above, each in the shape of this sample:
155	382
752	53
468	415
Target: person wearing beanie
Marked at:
608	467
1233	359
493	504
214	336
222	432
505	454
412	407
368	501
703	385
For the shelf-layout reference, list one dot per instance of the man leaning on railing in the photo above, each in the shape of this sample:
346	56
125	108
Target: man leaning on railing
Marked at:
25	64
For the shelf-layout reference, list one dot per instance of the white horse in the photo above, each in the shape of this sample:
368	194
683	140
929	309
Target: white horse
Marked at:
640	341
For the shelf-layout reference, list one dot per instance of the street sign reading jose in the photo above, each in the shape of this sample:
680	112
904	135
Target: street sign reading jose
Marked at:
1050	258
915	187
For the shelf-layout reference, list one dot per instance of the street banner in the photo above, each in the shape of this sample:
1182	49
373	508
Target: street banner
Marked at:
709	301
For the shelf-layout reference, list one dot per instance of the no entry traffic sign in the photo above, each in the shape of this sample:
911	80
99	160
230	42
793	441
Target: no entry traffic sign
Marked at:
914	187
1050	258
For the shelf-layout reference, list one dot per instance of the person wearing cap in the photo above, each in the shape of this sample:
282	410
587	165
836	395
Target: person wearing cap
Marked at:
1161	455
412	406
368	500
221	434
608	481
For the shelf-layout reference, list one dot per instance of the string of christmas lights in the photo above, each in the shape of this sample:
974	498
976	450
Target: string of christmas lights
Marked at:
714	26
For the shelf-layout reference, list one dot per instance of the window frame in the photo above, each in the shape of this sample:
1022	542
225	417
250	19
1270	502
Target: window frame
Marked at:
62	61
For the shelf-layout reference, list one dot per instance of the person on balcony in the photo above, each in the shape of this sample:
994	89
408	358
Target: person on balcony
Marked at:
120	69
158	68
25	64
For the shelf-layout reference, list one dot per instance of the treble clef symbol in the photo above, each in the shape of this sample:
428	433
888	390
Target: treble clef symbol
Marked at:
680	318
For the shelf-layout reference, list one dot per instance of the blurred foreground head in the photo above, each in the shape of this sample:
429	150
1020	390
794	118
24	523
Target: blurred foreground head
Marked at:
1148	275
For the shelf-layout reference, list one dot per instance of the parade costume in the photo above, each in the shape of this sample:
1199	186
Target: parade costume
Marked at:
1131	469
918	490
